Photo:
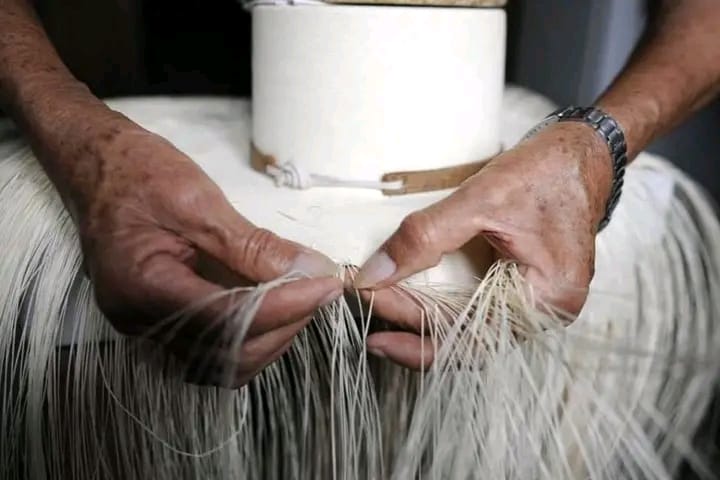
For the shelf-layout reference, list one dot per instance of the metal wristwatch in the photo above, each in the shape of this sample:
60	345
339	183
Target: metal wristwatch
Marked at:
610	131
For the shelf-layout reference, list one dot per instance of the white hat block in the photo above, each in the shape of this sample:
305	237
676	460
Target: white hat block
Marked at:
357	91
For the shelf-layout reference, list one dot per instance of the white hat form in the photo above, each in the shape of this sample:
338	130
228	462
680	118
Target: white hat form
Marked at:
344	95
355	92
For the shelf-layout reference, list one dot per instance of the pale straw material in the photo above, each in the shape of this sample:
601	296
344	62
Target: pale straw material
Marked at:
514	394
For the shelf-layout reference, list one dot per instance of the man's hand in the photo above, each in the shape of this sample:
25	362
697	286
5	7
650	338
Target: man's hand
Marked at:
538	204
148	217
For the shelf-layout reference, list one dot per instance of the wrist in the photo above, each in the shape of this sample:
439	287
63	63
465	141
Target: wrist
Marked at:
639	118
43	104
72	133
83	163
597	127
577	157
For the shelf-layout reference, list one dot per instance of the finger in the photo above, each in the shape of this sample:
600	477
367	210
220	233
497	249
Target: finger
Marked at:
168	286
406	349
233	369
286	304
261	351
397	307
422	239
217	323
164	287
240	380
252	252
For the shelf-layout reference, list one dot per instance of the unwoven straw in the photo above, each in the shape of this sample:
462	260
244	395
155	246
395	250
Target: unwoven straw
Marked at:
513	393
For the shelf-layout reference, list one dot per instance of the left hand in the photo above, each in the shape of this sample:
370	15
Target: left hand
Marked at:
538	204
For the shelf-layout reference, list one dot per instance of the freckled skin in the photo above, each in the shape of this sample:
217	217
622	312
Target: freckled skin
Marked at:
150	220
540	202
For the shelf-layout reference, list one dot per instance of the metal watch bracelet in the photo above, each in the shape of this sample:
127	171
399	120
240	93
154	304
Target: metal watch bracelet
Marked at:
610	131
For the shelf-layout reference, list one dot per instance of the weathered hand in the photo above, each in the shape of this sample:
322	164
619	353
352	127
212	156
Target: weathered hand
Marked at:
148	216
538	204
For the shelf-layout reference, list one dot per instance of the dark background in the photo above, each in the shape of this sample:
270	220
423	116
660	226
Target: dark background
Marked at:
130	47
565	49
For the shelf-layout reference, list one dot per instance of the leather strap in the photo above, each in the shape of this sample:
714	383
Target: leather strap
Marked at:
418	181
260	161
414	181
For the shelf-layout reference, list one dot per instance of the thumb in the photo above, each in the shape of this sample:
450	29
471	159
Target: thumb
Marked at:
421	240
259	254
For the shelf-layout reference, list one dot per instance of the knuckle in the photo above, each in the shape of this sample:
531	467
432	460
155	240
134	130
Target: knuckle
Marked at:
257	247
417	231
194	198
146	279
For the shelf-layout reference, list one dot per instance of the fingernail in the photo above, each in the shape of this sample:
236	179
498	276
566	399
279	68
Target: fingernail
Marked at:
314	265
376	352
378	268
332	296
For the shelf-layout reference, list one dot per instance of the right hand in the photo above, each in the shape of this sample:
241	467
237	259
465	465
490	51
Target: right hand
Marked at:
147	216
